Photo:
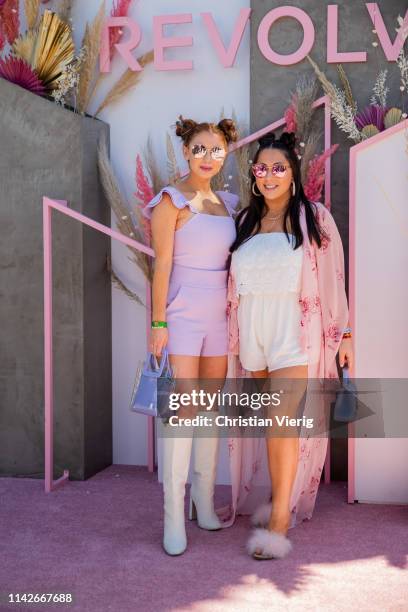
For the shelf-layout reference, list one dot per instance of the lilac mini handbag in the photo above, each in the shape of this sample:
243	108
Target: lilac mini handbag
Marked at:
153	384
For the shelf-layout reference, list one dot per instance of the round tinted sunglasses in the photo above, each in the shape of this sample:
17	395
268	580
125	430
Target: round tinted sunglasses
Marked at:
261	170
199	151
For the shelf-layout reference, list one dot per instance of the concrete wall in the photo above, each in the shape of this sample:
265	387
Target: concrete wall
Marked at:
47	150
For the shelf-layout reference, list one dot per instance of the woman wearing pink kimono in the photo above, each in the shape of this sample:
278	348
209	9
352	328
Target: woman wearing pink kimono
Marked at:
288	318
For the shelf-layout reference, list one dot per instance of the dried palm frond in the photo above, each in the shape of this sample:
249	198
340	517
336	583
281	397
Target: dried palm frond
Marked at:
125	83
17	71
370	130
91	42
120	207
32	11
48	49
392	117
347	88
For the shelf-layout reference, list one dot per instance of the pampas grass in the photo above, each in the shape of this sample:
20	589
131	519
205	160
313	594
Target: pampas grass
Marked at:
219	182
299	117
341	111
120	208
32	11
347	88
242	157
172	165
125	83
157	179
91	42
305	95
64	10
309	153
119	284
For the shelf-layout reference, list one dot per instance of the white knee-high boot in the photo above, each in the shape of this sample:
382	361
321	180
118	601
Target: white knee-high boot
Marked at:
176	461
205	458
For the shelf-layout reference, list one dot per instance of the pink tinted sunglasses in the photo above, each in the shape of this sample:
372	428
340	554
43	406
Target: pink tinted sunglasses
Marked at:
261	170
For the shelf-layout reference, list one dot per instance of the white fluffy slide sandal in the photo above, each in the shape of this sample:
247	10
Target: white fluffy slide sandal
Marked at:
269	544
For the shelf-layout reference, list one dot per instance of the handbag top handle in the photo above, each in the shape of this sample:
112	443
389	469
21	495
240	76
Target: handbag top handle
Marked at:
156	370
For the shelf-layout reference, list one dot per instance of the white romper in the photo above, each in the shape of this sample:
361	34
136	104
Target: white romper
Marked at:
267	271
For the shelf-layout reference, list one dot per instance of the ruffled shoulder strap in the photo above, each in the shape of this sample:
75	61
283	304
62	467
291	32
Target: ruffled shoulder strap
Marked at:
230	199
178	199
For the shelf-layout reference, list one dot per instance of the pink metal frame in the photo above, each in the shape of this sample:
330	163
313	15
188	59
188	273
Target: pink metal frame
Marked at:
352	274
61	206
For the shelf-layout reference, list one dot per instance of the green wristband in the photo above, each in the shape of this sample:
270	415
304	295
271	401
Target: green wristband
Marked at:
158	324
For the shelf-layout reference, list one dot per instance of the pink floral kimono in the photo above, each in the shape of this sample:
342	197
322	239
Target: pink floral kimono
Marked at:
324	316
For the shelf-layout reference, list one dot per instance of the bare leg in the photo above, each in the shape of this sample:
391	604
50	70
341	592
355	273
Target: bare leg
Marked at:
283	452
186	368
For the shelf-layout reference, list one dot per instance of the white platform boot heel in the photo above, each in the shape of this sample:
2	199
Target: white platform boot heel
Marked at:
176	461
205	458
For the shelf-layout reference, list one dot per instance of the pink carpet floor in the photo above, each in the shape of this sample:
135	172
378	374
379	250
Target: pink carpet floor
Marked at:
101	541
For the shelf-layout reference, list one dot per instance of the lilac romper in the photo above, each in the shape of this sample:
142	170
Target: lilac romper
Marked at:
196	307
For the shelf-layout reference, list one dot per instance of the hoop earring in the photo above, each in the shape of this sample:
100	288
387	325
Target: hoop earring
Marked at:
254	192
293	189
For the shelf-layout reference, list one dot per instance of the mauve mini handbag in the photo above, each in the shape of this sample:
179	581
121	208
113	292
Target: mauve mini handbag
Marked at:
153	384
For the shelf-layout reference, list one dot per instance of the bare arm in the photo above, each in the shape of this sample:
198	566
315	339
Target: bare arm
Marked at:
163	225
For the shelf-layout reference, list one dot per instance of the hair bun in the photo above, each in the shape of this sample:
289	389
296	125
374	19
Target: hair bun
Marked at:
184	127
288	139
267	140
229	129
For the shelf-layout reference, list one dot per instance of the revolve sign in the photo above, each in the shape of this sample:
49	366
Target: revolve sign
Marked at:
227	54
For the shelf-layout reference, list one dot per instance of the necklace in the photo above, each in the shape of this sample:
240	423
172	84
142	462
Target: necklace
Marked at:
274	218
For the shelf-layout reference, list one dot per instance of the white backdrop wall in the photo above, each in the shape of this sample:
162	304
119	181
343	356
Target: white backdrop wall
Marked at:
151	109
378	299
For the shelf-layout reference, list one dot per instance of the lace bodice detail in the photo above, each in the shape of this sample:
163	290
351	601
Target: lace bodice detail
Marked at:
267	263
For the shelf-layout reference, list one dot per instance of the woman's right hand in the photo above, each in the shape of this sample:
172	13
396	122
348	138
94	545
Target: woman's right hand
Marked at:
158	340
